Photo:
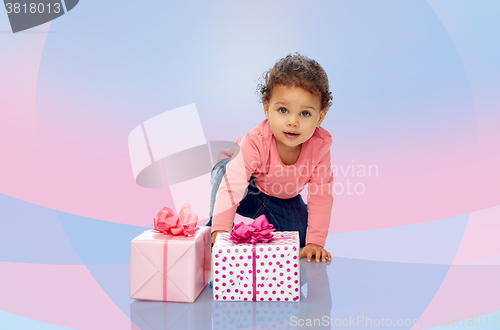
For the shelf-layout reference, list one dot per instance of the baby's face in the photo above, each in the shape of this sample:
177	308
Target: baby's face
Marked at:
293	114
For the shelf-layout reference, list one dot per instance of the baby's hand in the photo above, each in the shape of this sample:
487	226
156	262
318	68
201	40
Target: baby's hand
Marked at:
214	234
312	249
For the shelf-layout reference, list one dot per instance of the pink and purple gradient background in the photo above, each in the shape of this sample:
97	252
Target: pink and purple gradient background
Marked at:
415	90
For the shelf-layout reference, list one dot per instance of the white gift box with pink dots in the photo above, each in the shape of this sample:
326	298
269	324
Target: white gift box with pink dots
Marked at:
257	272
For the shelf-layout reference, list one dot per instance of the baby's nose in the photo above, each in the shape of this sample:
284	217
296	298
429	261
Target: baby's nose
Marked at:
292	121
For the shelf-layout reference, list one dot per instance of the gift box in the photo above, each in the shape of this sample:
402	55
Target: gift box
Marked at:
256	271
169	267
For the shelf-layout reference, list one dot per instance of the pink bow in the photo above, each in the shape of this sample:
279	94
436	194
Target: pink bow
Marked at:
259	231
184	223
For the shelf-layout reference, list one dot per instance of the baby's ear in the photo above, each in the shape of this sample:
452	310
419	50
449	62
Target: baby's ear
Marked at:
322	114
265	104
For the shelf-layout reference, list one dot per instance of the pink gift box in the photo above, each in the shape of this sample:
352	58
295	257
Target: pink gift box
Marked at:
260	272
169	268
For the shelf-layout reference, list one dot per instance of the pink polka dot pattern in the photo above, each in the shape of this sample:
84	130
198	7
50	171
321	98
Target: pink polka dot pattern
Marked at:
234	277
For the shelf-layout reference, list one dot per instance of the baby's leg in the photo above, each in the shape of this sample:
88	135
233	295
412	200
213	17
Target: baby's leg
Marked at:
290	215
284	214
217	175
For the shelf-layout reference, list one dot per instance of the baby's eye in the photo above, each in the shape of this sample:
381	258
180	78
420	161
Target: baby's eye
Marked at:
305	113
282	110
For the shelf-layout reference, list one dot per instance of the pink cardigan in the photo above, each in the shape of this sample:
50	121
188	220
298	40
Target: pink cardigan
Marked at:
256	154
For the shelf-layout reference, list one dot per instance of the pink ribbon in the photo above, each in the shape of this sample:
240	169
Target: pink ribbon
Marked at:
182	224
259	231
165	253
254	273
185	223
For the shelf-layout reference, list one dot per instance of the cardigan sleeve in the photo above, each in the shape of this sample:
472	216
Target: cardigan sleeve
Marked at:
320	201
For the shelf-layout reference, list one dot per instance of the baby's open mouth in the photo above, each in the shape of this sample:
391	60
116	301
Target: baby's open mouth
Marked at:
291	135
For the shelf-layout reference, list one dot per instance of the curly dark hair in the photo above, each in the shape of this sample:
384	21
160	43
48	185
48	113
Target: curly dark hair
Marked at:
300	71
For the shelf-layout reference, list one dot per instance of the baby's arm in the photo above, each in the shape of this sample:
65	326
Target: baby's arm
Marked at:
214	234
319	205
